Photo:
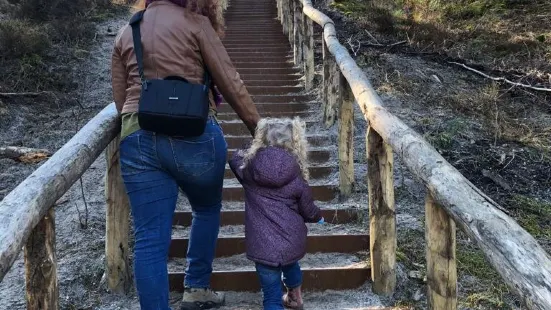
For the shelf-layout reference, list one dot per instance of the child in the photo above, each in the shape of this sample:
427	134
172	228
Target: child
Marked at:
274	174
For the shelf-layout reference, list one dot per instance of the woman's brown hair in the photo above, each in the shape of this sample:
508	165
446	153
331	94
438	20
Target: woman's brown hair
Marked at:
213	9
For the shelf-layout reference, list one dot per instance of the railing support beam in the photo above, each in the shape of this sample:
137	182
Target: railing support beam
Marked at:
382	215
117	226
331	87
441	261
308	51
41	266
346	139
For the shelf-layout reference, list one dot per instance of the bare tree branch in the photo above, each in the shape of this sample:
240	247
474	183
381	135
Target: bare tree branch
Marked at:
501	79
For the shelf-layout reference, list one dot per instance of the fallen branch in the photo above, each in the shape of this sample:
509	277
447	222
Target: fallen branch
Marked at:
497	179
25	94
372	37
24	154
354	50
500	79
385	45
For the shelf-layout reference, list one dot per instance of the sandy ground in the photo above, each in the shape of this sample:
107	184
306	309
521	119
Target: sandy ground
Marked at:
81	251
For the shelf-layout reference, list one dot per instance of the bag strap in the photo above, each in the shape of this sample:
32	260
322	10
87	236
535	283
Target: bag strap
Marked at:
137	37
138	49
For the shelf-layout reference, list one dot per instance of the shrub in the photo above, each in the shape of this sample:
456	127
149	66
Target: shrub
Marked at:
47	10
19	38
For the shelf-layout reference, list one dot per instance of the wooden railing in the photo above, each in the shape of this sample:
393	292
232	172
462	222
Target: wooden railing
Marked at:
27	214
452	200
27	218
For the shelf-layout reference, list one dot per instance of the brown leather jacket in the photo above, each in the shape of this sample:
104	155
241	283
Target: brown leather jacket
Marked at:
177	42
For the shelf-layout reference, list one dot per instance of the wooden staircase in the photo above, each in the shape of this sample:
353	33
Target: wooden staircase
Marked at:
263	57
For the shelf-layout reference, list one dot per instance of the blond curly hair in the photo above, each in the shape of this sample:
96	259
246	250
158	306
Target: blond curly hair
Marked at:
286	133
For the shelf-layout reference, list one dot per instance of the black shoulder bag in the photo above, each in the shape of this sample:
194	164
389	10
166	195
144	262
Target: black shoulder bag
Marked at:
170	106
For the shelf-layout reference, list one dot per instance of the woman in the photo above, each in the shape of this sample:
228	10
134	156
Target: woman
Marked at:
179	37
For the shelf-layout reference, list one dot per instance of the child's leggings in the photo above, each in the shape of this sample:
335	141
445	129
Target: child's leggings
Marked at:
270	280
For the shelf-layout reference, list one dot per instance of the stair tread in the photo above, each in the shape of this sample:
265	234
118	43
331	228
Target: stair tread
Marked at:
314	279
229	246
314	229
240	262
237	217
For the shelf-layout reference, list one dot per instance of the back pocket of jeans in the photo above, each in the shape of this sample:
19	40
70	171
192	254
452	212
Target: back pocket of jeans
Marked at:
193	157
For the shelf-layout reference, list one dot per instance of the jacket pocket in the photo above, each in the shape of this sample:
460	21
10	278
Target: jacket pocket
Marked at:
194	157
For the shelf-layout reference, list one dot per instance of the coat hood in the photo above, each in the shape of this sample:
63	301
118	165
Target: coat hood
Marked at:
274	167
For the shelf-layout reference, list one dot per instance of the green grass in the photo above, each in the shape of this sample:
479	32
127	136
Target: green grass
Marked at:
533	215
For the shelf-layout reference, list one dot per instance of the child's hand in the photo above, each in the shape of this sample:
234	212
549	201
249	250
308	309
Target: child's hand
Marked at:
322	221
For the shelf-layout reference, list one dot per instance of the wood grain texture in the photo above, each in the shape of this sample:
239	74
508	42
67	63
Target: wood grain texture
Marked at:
382	215
346	139
41	266
441	257
117	224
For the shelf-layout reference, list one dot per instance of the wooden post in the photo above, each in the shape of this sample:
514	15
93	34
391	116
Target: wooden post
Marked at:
346	138
279	10
298	35
331	85
117	227
382	216
291	21
308	51
441	262
41	266
283	9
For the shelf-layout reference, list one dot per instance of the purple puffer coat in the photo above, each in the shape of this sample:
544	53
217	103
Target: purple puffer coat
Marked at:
278	202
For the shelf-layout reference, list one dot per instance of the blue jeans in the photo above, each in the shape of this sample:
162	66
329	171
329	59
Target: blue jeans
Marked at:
154	167
270	281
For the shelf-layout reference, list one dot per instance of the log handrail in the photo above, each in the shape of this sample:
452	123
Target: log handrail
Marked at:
28	209
511	250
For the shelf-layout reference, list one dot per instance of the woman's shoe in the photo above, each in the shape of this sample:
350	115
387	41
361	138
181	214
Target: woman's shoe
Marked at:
201	298
293	299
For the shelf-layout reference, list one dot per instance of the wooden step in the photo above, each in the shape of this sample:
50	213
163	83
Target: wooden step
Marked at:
292	98
332	216
237	128
320	193
270	107
247	40
236	142
264	64
316	156
229	246
321	279
231	115
239	58
260	54
316	172
269	77
258	48
267	71
273	83
273	90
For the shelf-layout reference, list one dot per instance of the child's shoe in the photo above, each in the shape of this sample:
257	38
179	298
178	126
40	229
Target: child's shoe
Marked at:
201	298
293	299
